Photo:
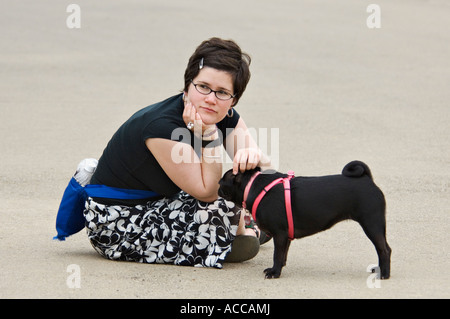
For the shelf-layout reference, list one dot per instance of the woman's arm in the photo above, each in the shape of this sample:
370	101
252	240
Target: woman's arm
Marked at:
244	150
197	177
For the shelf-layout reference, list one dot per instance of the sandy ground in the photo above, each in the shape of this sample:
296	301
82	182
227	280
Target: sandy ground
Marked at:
333	88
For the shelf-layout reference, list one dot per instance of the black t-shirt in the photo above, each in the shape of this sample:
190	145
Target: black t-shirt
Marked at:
127	162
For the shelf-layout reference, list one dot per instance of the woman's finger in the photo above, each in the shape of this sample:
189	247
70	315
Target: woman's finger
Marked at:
245	159
251	162
187	113
236	162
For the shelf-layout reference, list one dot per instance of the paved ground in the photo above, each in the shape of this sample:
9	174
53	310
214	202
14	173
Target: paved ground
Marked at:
335	90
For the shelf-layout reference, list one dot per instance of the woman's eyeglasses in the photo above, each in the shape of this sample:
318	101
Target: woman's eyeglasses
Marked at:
205	90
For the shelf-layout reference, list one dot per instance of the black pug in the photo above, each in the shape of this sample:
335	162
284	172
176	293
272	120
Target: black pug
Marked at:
318	203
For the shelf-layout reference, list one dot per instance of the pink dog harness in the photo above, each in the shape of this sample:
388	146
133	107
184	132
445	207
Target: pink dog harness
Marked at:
287	198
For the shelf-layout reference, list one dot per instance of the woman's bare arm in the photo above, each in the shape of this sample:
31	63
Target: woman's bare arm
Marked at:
197	177
244	150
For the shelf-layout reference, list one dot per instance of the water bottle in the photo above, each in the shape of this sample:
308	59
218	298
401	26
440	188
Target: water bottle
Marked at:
85	170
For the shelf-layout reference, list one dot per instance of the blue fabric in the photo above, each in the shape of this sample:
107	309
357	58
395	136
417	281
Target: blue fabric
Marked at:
70	219
117	193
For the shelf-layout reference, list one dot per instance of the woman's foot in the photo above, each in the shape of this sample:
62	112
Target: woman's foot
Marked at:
264	237
244	247
246	244
251	226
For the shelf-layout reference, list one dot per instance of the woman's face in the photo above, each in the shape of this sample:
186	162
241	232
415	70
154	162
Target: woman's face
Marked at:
210	108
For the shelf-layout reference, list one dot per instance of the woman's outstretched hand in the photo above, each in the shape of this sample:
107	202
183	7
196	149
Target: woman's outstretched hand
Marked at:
246	159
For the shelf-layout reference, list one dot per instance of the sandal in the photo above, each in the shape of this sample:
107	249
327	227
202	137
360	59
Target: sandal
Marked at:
264	237
243	248
261	234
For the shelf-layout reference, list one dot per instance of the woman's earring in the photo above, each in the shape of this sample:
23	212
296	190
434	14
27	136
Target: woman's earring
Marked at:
232	112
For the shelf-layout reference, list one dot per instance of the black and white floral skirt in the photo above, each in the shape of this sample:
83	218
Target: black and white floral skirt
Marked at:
180	230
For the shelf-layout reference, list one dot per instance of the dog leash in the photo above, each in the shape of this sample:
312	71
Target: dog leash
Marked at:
287	198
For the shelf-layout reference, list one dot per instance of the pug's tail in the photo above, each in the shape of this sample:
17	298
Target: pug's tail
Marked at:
356	169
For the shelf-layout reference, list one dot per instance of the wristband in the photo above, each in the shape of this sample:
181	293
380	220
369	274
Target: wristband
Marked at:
210	133
211	144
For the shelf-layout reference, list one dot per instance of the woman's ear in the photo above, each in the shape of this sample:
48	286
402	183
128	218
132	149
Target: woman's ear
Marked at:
185	97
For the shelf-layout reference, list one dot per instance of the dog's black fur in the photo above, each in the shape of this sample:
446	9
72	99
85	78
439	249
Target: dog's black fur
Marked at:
317	204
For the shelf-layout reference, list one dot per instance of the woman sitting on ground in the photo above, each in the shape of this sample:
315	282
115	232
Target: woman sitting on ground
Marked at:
174	148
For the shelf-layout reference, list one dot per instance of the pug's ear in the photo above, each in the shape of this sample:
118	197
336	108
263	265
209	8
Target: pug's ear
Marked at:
238	178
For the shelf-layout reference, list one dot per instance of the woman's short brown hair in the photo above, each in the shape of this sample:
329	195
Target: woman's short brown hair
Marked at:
223	55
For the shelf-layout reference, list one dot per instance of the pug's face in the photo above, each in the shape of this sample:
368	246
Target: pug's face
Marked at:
232	186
